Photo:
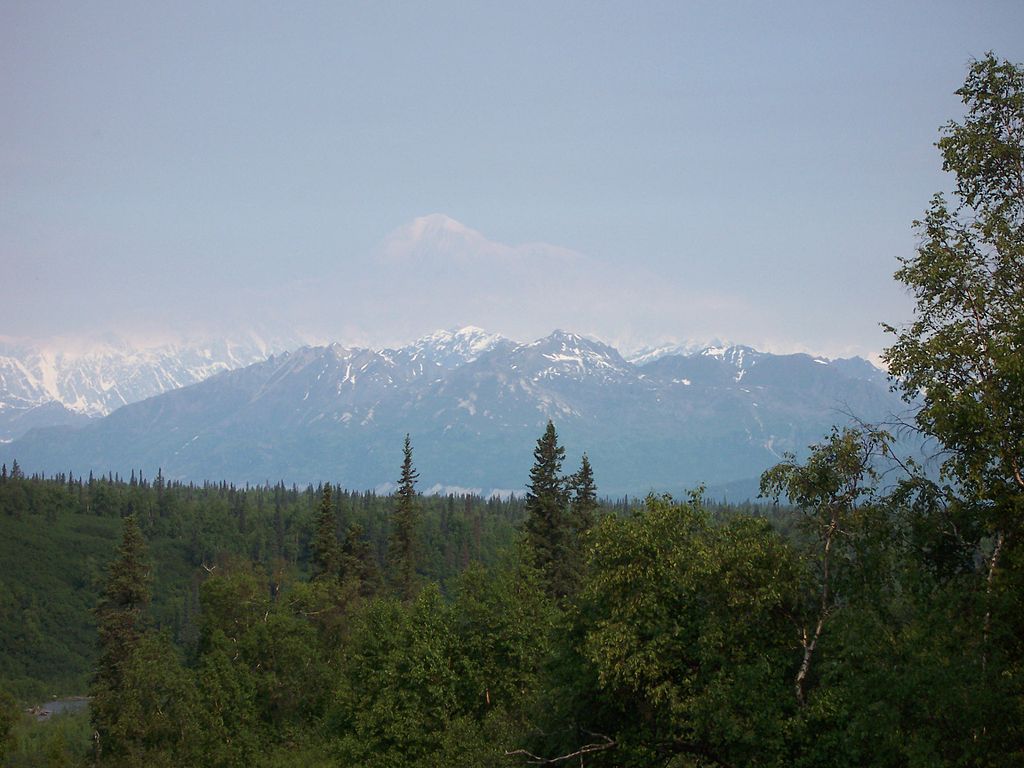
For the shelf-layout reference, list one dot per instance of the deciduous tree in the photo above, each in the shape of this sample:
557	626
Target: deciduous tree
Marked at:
963	354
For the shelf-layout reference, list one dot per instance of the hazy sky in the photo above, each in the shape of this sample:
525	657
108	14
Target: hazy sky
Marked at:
683	170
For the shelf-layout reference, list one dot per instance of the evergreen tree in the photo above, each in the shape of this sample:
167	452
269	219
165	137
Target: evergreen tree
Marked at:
403	546
584	497
582	511
546	515
120	618
325	539
358	566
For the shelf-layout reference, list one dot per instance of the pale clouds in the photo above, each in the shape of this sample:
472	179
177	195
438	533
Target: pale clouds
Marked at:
435	272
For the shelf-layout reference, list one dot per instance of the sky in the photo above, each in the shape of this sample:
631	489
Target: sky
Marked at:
368	173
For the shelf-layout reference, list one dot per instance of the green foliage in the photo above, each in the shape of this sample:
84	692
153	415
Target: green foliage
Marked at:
399	682
403	552
358	568
584	496
49	576
59	741
545	509
829	491
227	712
9	716
120	620
154	720
963	356
559	512
963	353
430	683
686	624
55	547
874	621
325	540
504	623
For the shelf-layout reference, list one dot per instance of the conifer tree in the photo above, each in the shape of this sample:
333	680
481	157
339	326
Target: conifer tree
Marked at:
546	514
584	497
120	619
402	550
325	540
582	510
357	563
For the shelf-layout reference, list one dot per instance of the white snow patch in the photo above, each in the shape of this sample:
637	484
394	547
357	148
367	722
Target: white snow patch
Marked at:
437	489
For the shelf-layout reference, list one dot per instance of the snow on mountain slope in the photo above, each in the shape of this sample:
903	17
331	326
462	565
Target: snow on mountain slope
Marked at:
95	380
452	348
474	404
570	355
649	354
739	357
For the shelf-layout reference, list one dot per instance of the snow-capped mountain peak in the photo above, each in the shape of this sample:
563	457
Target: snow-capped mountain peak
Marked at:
437	236
334	411
649	354
568	354
454	347
95	378
740	357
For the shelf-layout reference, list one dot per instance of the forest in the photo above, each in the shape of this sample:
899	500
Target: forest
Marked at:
869	612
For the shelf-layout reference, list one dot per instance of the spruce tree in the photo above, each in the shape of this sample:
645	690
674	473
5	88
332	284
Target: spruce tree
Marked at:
120	619
357	564
584	497
546	514
325	539
402	550
582	510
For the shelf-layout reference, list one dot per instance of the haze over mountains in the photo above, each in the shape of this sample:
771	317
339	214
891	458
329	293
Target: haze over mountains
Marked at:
70	381
474	403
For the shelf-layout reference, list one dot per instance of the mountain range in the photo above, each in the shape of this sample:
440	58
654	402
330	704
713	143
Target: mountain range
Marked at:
474	404
49	384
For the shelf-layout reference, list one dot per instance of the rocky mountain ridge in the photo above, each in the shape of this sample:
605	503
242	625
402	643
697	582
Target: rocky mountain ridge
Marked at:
474	404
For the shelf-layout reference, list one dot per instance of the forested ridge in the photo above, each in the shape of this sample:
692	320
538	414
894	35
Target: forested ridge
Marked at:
876	617
59	534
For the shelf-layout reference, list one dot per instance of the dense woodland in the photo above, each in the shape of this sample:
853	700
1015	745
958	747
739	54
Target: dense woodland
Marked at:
876	618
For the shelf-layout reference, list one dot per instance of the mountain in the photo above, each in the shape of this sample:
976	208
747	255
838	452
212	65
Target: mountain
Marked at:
649	354
452	348
474	404
44	386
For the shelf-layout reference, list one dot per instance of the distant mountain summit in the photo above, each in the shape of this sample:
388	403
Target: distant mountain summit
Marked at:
649	354
41	385
475	403
452	348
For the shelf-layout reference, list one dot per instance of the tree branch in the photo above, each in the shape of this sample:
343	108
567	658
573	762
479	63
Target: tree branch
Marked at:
586	749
